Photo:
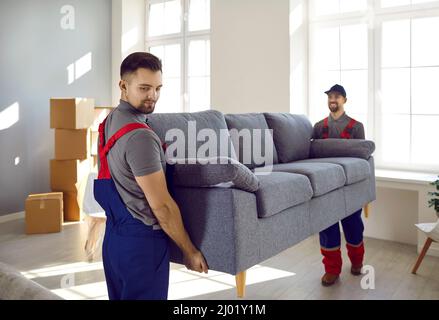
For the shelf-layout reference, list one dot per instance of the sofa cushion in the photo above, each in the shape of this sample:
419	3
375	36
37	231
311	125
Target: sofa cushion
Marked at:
355	169
244	142
354	148
279	191
231	174
193	132
324	177
292	135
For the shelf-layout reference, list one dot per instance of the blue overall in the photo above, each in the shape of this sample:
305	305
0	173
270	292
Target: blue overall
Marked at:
135	257
353	227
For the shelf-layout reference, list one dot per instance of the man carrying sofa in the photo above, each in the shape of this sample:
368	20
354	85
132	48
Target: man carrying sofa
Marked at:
340	126
131	187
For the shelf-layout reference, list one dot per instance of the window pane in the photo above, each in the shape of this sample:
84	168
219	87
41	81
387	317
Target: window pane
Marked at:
424	132
170	97
425	88
171	59
199	58
356	85
328	7
199	75
325	7
425	39
354	46
199	94
395	138
414	2
164	18
395	43
394	3
325	49
199	15
395	91
352	5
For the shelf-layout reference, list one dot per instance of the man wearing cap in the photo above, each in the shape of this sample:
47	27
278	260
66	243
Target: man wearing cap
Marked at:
340	126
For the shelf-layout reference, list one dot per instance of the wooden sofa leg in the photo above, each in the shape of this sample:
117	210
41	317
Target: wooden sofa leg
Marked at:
422	255
240	284
366	210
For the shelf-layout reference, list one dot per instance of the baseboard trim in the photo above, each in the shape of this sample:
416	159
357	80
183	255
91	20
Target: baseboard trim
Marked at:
12	217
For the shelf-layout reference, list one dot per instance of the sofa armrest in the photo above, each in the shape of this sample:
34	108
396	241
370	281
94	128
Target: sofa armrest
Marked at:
329	148
223	224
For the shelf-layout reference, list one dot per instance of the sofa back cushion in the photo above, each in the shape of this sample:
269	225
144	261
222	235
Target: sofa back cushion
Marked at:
199	135
252	140
292	135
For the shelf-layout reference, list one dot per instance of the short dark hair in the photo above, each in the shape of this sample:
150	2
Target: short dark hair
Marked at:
140	60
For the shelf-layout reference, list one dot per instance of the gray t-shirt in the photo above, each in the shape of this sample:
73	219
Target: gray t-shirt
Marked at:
137	153
336	127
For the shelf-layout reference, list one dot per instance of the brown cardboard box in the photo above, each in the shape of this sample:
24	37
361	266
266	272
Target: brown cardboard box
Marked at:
72	144
72	211
71	113
65	175
44	213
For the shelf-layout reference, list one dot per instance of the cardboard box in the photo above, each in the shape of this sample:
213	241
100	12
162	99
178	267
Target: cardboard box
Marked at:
72	144
44	213
100	113
66	175
72	210
71	113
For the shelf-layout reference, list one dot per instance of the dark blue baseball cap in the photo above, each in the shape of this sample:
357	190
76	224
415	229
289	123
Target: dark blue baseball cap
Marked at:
337	88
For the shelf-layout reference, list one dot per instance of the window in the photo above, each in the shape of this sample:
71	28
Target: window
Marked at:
386	54
178	32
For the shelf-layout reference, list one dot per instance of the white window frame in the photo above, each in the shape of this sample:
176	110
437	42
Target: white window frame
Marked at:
183	38
374	16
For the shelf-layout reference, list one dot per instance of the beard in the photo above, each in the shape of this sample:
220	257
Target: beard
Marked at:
147	107
334	108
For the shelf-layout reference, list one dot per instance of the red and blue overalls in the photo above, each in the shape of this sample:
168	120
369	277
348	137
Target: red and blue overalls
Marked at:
135	257
352	227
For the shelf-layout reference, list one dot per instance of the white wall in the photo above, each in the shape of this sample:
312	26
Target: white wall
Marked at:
393	216
40	59
250	56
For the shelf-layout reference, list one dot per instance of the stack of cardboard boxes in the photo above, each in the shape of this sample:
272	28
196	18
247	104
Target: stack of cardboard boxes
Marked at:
76	123
71	118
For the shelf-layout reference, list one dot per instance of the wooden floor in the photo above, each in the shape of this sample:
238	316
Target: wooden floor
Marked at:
58	262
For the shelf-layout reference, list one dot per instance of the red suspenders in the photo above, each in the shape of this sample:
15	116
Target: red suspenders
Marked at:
346	134
103	149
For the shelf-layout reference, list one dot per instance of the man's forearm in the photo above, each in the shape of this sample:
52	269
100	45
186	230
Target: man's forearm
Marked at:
169	218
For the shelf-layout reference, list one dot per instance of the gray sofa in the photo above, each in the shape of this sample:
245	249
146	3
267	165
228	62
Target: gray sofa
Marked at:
304	194
14	286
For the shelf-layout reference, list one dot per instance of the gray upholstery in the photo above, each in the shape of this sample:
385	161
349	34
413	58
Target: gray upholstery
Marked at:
212	174
279	191
324	177
238	122
14	286
236	229
292	135
327	148
162	123
355	169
